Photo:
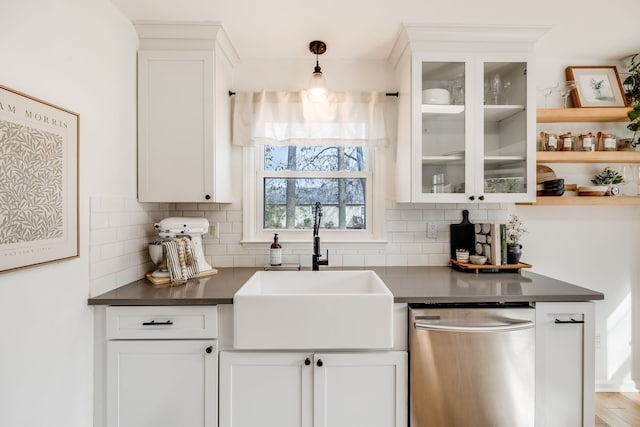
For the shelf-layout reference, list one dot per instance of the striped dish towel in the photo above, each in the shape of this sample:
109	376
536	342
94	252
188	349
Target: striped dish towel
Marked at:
181	262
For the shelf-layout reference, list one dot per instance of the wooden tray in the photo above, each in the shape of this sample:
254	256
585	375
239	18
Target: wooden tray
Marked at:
166	281
510	268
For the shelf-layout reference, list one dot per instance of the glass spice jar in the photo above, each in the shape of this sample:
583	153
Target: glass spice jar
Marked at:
549	141
607	142
567	142
587	142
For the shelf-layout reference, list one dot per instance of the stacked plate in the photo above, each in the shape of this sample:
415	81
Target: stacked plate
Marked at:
553	187
462	255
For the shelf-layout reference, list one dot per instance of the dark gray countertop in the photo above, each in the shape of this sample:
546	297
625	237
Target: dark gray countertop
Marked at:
408	285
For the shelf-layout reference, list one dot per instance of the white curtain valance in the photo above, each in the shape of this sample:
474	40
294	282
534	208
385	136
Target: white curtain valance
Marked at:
290	118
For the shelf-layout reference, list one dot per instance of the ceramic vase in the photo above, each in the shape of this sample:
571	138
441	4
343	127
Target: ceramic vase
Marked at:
513	253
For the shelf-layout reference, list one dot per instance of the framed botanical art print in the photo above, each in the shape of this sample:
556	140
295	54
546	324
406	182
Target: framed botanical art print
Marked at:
38	181
596	86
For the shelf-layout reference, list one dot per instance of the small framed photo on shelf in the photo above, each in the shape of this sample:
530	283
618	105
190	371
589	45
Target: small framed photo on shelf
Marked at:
597	86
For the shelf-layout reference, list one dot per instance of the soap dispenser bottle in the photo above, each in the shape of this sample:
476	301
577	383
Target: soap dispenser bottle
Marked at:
276	251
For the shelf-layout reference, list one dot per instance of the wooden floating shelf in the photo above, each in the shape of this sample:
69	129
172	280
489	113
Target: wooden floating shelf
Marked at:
597	114
585	201
588	157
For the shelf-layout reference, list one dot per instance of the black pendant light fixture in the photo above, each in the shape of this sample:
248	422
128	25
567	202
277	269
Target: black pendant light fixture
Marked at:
317	83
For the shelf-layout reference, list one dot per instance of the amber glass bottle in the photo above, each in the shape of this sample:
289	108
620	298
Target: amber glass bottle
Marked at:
276	251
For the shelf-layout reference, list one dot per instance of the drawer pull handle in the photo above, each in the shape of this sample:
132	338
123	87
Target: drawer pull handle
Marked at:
154	323
307	362
319	363
558	321
209	349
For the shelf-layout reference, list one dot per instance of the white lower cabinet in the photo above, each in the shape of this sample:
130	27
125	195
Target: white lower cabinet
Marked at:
565	365
168	375
162	383
297	389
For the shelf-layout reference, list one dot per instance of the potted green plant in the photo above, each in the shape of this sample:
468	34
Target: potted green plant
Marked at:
608	178
632	93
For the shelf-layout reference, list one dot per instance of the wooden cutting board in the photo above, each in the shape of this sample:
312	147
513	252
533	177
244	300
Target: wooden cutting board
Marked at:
165	281
463	235
544	173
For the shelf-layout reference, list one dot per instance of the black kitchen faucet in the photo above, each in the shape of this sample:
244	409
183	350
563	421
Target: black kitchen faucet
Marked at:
317	260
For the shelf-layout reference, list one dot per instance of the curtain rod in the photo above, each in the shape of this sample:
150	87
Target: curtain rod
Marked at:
387	94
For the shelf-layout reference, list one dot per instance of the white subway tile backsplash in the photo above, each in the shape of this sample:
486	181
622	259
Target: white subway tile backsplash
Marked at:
417	226
439	259
102	236
402	236
121	228
394	215
417	260
245	261
433	215
409	248
222	261
112	250
394	226
397	260
375	260
184	207
234	216
216	216
351	260
100	220
409	215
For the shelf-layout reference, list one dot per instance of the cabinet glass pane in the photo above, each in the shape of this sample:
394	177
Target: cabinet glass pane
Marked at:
443	127
505	127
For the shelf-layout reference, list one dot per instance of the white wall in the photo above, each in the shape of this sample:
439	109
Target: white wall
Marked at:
80	55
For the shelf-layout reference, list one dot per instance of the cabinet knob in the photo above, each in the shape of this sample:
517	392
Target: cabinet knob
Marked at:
209	349
481	197
307	362
319	363
472	197
207	196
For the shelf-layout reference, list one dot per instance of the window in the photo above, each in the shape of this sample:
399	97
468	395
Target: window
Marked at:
294	178
303	154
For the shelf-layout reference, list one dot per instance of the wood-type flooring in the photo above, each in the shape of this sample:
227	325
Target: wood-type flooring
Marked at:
617	409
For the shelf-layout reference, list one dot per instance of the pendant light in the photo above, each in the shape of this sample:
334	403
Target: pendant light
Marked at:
317	83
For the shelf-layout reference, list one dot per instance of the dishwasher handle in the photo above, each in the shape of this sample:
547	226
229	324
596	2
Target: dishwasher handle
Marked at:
512	325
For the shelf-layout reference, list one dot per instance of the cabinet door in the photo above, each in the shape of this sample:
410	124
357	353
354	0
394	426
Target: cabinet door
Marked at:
266	389
441	129
175	111
565	384
360	389
506	169
473	128
162	383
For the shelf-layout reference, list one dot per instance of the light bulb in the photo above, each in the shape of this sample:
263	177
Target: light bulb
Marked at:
317	87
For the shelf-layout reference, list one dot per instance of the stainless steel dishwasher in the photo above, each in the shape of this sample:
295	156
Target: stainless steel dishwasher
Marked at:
471	365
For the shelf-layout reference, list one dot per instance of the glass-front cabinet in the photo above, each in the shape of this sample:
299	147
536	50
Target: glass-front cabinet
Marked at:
473	128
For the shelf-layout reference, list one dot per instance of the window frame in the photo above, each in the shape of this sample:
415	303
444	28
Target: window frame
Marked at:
253	207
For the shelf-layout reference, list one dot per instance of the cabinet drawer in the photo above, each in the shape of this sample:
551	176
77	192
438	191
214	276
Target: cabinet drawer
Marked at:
160	322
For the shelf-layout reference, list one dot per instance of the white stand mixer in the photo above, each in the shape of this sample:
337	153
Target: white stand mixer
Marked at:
173	227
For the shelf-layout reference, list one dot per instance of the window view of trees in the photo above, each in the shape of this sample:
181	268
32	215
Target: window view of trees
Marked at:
295	177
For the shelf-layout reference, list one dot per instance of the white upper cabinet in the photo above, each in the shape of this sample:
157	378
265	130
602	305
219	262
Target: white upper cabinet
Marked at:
184	114
466	128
